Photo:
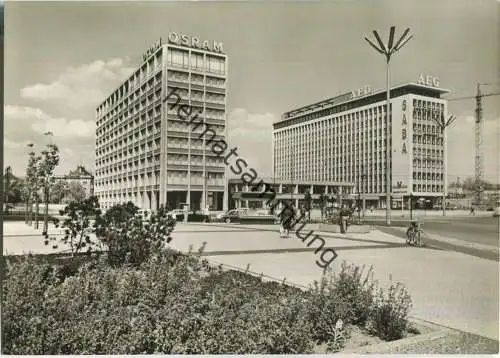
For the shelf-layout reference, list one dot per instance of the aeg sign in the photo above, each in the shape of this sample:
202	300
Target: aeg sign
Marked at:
428	80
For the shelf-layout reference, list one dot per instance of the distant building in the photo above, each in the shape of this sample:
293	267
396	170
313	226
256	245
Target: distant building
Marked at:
82	176
344	140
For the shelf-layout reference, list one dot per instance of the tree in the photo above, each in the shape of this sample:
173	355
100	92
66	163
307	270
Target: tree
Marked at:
32	183
13	188
130	239
58	191
77	225
76	191
50	160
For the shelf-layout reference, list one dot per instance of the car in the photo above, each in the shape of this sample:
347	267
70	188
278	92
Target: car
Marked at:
233	215
175	213
194	217
496	213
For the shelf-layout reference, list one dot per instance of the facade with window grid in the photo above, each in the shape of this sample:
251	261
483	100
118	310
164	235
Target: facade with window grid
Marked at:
148	155
345	138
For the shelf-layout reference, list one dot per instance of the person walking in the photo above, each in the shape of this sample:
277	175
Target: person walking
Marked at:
287	216
343	217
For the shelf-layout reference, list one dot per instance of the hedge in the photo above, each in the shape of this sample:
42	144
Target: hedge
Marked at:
175	304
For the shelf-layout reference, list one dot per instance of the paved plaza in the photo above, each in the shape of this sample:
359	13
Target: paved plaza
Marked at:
447	287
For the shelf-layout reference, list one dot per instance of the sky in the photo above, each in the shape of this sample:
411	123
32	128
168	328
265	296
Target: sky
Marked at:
63	58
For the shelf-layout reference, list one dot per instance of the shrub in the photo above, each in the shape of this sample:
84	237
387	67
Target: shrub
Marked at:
77	226
128	239
176	304
389	317
347	296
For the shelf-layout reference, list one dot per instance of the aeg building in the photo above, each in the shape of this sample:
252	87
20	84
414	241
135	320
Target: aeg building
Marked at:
344	139
144	152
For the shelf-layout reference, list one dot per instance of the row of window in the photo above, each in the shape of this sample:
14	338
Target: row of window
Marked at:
199	62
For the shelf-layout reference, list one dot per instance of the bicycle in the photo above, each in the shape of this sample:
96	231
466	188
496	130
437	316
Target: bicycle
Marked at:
414	235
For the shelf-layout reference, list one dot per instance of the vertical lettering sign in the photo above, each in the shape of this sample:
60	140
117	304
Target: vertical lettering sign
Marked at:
404	125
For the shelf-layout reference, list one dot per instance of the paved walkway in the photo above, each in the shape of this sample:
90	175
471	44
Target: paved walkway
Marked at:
449	288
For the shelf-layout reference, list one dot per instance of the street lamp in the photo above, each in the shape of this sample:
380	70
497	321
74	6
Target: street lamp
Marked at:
443	124
387	51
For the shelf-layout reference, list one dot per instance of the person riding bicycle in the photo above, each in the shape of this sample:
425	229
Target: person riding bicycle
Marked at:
413	228
412	231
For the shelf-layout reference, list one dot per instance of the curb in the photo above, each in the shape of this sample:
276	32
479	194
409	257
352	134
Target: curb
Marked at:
391	347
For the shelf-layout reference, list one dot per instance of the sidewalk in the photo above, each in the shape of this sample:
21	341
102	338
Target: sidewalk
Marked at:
449	288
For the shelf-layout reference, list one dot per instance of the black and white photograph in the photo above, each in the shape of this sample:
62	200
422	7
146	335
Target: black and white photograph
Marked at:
250	177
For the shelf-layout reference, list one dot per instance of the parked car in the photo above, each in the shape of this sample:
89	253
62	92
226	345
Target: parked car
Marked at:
174	213
233	215
496	213
194	217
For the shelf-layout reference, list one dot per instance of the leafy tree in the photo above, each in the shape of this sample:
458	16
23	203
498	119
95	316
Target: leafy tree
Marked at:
50	160
130	239
13	187
32	184
76	191
58	191
77	225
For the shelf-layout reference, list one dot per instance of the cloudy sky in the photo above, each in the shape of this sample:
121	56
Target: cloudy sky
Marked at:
61	59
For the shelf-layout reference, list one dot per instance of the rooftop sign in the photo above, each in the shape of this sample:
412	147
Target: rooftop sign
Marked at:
194	42
428	80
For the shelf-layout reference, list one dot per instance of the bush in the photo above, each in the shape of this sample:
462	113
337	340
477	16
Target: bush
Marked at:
128	239
389	317
347	296
177	304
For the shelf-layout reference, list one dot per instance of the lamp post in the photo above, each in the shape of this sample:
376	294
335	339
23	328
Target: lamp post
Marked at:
442	123
388	51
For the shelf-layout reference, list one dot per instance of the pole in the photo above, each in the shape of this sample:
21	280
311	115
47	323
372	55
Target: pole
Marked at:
445	170
388	149
6	192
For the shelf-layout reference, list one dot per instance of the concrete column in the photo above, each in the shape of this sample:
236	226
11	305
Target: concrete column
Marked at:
280	190
154	204
246	203
326	189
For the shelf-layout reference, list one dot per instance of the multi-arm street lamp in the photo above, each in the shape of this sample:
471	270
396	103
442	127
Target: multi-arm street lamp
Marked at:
388	50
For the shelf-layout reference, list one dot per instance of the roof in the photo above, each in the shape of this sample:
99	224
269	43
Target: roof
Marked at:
348	97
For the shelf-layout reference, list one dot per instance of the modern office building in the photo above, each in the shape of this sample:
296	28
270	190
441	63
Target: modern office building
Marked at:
344	139
148	155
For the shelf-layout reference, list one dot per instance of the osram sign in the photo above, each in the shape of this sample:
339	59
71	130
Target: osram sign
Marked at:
194	42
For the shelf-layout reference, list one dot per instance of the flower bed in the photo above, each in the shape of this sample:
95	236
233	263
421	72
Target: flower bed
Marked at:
174	303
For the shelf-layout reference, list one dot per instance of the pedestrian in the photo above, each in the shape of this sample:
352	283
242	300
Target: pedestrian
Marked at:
287	216
343	216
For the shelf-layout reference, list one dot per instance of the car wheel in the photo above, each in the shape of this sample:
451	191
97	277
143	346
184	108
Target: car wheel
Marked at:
228	220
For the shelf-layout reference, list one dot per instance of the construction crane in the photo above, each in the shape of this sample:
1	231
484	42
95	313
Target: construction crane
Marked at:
478	138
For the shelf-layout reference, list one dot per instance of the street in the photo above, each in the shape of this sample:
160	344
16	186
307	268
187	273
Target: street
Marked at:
482	230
